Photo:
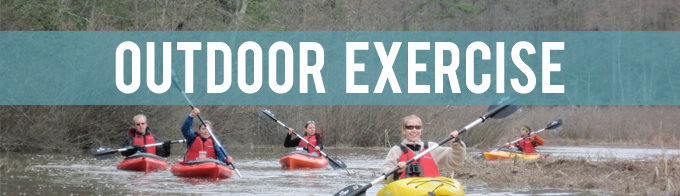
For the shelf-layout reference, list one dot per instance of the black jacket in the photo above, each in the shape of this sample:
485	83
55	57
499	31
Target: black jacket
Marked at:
160	150
289	142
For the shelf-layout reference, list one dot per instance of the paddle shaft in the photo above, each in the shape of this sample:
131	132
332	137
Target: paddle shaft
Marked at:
431	148
154	144
145	146
202	122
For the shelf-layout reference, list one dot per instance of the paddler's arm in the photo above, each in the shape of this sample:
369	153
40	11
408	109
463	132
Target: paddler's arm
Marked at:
222	156
391	162
127	143
162	150
449	158
537	140
290	142
319	142
508	145
186	130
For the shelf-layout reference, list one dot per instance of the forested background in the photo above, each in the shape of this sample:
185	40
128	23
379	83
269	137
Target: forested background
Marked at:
69	128
72	128
340	15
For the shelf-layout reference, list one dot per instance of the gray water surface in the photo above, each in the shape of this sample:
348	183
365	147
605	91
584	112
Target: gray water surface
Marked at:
596	153
80	174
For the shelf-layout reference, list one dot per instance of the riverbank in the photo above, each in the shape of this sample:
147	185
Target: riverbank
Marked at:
606	177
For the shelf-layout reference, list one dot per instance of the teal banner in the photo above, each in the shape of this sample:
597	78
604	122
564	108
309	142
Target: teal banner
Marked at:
339	68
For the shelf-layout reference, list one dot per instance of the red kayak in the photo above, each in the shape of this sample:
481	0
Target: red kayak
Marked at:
297	160
143	162
202	168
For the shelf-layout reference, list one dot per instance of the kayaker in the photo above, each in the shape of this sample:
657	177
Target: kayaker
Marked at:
201	141
139	135
311	135
427	166
527	145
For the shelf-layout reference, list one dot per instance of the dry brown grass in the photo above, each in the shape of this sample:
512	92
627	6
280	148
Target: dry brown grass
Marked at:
619	125
68	128
8	165
613	177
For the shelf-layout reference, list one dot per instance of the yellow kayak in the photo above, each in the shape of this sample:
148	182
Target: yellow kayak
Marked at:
420	186
492	156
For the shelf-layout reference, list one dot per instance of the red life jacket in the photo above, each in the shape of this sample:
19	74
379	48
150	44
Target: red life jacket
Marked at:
148	139
199	145
526	146
426	162
310	149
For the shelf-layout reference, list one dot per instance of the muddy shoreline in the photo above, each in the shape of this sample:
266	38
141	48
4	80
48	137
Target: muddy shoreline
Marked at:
657	176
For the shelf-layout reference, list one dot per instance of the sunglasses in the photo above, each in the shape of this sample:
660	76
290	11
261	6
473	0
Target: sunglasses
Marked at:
311	122
138	124
412	127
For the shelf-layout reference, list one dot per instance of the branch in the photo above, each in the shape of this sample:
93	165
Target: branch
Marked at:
88	21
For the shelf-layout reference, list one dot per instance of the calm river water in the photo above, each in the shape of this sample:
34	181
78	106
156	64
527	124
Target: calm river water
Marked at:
80	174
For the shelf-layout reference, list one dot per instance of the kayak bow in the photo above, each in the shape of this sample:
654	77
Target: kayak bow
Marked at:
143	162
202	168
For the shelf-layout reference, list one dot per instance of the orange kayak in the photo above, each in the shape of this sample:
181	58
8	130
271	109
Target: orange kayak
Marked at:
202	168
497	155
143	162
299	161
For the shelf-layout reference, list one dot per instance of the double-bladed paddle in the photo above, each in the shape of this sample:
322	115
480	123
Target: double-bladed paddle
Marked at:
175	82
106	152
334	161
553	125
502	110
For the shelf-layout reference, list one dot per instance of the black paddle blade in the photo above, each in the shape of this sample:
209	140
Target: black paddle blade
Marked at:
336	163
352	190
267	114
554	124
103	156
506	110
102	153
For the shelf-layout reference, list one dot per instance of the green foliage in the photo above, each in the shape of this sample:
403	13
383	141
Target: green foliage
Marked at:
445	8
443	15
419	6
263	14
466	8
414	27
296	15
36	15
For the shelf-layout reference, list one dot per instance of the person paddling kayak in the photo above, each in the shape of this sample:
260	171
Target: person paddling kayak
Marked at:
527	145
428	166
311	135
139	135
200	142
